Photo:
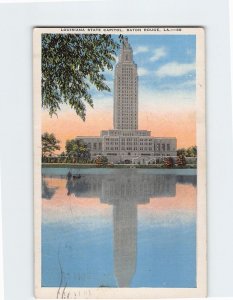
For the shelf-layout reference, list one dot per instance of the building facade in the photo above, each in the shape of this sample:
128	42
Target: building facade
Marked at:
126	91
126	143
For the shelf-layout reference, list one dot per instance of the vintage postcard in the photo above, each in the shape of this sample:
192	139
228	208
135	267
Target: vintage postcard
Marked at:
119	162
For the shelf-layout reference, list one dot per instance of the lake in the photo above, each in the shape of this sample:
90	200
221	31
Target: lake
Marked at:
119	228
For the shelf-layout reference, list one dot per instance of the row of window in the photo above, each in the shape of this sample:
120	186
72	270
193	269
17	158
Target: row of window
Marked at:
127	111
123	79
127	70
159	147
127	119
126	86
129	139
126	125
139	133
129	105
128	102
163	147
122	98
143	154
130	113
127	91
130	148
128	82
127	96
126	75
122	82
134	149
128	116
131	95
131	90
130	143
94	146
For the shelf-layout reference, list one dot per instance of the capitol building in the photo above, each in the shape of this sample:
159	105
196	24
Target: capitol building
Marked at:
126	143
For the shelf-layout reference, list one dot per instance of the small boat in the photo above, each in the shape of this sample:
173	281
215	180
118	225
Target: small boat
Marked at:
76	176
69	175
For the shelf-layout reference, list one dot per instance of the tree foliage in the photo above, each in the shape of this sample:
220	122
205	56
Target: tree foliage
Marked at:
71	63
181	161
77	150
101	160
188	152
47	192
49	144
168	162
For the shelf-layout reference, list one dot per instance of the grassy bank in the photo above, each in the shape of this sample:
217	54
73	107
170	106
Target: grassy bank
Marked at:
123	166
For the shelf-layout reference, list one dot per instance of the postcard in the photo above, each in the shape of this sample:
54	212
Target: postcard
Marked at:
119	162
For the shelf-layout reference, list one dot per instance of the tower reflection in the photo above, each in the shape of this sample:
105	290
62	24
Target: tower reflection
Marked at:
125	241
124	191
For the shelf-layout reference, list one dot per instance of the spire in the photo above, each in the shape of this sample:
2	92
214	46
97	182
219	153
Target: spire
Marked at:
126	44
126	54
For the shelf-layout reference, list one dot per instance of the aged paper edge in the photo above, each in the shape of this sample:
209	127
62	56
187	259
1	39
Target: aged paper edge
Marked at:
126	293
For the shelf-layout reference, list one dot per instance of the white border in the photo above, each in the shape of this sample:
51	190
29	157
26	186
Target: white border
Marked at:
231	40
1	244
16	21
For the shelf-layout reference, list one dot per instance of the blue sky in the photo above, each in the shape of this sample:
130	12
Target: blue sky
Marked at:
165	62
166	70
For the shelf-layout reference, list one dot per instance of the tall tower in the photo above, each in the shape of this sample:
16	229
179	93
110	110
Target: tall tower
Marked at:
126	90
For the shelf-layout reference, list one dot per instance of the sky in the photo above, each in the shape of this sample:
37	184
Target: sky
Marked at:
167	93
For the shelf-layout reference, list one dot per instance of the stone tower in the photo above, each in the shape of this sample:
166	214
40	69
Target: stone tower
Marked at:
126	90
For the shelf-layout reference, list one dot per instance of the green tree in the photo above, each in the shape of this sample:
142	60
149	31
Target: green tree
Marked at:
49	144
71	63
101	160
168	162
192	151
188	152
77	150
181	151
181	161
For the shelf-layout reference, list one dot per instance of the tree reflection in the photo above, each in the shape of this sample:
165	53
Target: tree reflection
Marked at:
46	191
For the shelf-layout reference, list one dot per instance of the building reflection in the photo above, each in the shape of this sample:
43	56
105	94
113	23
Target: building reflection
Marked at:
124	191
128	185
125	241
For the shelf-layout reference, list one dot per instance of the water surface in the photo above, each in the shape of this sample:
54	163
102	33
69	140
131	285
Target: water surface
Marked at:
119	228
